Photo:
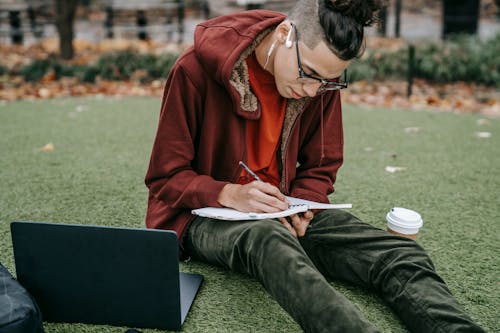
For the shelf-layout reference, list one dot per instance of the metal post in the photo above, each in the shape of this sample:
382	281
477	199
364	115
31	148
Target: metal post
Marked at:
142	22
36	29
169	24
16	34
411	68
108	22
382	24
206	9
180	20
398	19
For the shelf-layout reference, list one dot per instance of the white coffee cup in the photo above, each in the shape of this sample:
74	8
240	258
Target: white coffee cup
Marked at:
404	222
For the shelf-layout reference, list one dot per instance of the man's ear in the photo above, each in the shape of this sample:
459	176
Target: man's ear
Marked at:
284	33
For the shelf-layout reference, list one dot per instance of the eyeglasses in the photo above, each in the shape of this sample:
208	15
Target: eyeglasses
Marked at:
326	84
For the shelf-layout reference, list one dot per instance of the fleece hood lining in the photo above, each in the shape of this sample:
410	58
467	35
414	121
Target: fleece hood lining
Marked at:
240	81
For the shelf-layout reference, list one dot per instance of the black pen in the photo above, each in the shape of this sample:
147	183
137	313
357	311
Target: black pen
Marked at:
250	171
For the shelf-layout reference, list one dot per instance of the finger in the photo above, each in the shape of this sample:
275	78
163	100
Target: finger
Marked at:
299	224
288	226
258	195
271	190
261	207
308	215
274	202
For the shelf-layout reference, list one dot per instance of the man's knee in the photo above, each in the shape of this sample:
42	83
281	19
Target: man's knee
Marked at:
406	261
268	249
263	239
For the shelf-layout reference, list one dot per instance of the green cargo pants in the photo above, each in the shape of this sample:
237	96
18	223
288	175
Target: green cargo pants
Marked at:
295	271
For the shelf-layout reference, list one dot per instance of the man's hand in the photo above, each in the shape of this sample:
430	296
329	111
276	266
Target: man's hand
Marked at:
255	197
297	223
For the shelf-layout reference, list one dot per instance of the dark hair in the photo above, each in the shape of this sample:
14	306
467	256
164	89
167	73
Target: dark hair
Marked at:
343	22
340	23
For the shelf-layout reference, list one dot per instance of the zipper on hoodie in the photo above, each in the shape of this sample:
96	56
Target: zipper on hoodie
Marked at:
283	159
236	176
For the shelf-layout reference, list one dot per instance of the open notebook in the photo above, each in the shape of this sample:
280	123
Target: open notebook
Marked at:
296	206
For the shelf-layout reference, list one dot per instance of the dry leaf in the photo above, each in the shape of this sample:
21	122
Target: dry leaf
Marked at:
393	169
44	93
492	110
50	76
157	84
412	130
483	135
48	147
81	108
433	100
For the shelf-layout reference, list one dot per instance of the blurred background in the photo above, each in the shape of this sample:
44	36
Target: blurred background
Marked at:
421	54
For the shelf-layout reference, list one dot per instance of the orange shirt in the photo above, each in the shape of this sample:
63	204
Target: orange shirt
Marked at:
263	135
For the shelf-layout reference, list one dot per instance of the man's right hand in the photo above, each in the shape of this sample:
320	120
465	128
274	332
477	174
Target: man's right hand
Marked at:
255	197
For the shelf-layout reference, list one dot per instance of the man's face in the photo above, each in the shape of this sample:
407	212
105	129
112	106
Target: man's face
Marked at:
319	62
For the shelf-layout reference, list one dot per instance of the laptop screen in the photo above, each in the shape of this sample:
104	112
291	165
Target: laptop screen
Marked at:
100	275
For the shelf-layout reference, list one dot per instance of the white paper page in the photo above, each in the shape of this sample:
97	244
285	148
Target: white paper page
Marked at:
316	205
232	214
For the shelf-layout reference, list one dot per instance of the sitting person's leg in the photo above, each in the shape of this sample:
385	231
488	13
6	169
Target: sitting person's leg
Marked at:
344	248
267	251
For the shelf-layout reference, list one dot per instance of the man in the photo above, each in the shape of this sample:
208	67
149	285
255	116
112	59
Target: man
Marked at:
264	89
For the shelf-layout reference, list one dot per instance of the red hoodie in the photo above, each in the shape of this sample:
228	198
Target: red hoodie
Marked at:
201	133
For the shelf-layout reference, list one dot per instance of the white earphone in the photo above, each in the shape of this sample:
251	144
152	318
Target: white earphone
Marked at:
288	42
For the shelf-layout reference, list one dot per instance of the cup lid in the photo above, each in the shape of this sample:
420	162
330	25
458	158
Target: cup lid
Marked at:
404	218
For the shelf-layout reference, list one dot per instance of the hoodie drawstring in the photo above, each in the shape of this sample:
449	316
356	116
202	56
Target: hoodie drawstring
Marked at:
322	136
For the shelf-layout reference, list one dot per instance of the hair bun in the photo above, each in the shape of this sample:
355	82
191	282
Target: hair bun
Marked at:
362	11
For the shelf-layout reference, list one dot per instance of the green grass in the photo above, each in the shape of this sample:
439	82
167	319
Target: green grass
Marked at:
95	176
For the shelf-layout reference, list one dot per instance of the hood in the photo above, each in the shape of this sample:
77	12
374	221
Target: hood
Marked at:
222	44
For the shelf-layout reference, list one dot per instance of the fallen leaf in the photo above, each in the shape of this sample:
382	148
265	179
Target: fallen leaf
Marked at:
157	84
483	135
433	100
48	147
412	130
393	169
482	121
50	76
44	93
81	108
492	111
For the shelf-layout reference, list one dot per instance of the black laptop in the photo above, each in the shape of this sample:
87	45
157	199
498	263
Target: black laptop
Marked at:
104	275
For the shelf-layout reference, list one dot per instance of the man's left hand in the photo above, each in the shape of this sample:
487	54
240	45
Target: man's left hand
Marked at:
297	223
